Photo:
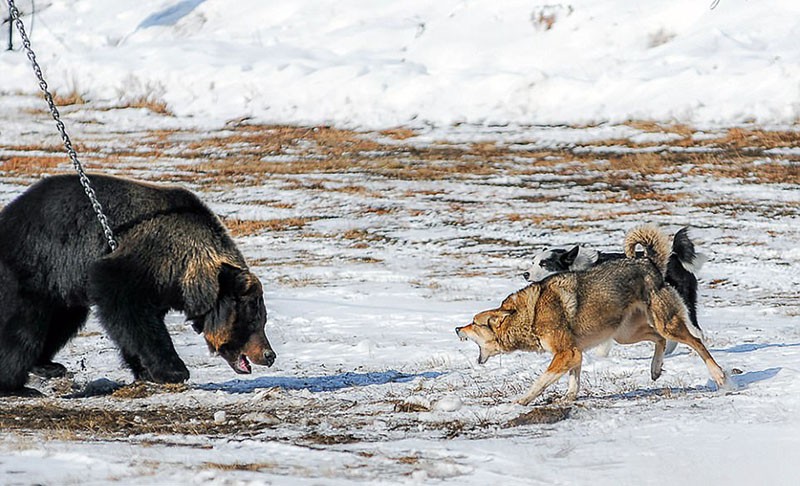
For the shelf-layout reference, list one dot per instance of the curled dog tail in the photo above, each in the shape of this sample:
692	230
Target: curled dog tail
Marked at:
655	243
683	249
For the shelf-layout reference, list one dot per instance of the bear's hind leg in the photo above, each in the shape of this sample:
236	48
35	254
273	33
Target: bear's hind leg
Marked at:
65	323
21	338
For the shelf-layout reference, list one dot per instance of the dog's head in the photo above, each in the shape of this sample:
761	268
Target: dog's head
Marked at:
484	331
550	262
557	260
234	327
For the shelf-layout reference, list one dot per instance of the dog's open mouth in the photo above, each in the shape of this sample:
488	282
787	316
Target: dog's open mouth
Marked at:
242	365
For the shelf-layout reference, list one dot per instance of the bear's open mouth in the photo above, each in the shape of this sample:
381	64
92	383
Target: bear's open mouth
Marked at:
242	365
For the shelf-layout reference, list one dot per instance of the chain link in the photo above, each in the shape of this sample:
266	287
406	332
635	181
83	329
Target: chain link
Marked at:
73	156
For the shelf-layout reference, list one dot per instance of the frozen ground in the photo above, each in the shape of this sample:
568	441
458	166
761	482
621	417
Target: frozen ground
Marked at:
372	247
366	63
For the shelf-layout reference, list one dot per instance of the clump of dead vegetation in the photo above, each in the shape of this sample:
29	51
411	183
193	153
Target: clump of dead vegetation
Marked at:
617	170
248	227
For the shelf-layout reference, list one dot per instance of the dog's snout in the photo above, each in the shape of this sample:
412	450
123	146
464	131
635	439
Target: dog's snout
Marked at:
526	275
458	330
269	357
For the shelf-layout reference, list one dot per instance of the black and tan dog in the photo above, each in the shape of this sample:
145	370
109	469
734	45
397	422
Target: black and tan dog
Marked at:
173	253
626	300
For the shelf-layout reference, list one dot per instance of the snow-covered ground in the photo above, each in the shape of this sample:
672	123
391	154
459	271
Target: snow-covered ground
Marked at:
371	383
370	264
369	63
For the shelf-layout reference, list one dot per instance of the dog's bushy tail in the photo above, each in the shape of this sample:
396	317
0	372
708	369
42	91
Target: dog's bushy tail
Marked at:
655	243
683	249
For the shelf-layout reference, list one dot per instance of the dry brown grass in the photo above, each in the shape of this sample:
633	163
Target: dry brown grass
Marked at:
747	137
544	21
72	97
76	422
735	208
237	466
148	102
355	234
642	163
249	227
31	166
398	133
541	415
141	389
535	219
253	155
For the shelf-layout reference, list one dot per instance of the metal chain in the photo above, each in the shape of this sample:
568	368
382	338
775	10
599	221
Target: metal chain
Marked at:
73	156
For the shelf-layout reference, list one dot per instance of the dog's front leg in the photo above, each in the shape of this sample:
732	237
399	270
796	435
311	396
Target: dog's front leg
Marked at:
574	383
563	361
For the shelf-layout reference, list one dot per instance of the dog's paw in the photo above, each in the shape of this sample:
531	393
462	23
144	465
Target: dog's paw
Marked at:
567	399
656	374
524	401
728	384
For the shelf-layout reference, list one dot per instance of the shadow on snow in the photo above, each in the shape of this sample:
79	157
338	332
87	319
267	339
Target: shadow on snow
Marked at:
739	348
170	15
749	347
738	382
317	383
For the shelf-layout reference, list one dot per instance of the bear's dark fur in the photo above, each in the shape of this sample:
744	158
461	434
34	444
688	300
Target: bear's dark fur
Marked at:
173	253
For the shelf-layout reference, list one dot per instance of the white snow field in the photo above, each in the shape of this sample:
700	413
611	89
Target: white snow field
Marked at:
509	132
375	64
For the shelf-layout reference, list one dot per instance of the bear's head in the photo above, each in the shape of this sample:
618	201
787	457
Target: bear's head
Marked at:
234	327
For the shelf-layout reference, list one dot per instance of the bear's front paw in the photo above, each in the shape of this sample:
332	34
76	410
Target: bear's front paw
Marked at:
49	370
21	392
177	373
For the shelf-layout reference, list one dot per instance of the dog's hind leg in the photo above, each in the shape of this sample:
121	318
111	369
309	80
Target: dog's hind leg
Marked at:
716	372
563	361
637	328
671	321
656	365
603	349
643	332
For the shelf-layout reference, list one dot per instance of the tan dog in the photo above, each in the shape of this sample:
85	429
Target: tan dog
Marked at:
565	314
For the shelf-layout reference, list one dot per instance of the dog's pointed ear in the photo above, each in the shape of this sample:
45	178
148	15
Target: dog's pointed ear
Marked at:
569	257
482	318
494	319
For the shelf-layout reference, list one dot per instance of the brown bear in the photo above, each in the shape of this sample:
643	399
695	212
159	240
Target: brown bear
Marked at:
173	253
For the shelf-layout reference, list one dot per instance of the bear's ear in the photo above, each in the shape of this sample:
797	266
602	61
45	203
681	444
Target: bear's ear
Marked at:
237	281
214	294
200	286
